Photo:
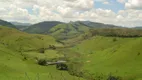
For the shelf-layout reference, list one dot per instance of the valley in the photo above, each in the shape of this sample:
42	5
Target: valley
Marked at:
91	52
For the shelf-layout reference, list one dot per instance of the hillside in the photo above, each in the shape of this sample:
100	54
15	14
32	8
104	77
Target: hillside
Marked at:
117	32
5	23
68	30
17	61
97	53
114	56
15	39
97	25
42	27
138	27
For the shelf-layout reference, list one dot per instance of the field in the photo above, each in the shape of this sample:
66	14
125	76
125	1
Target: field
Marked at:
112	56
14	66
94	57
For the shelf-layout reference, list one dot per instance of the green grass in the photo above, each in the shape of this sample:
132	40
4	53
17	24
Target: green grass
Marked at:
12	63
15	39
122	57
13	67
67	31
99	55
48	55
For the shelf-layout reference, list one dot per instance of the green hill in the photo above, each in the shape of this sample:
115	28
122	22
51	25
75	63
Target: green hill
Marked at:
115	56
117	32
97	25
14	39
67	31
94	54
17	61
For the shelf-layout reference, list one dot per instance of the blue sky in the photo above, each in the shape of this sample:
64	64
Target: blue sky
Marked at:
113	5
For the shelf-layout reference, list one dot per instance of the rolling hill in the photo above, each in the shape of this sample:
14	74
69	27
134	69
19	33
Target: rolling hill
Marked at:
112	56
18	64
68	30
97	25
44	27
97	51
138	27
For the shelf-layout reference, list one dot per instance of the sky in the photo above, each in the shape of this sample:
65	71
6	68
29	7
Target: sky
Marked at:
126	13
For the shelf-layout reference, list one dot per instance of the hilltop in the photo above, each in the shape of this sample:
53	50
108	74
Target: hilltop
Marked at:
42	27
97	24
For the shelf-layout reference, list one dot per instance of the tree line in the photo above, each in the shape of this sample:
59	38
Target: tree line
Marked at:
117	32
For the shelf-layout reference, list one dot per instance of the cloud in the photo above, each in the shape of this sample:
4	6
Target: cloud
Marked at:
34	11
134	4
79	4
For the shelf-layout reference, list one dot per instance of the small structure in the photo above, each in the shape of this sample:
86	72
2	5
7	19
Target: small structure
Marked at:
54	63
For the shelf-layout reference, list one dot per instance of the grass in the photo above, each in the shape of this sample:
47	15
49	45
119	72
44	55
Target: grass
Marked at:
15	39
67	31
14	68
121	57
12	63
101	56
48	55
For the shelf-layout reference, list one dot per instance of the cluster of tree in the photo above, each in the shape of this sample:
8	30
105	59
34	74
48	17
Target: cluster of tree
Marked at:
117	32
61	66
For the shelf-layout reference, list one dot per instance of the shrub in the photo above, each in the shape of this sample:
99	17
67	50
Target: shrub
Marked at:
113	78
138	53
42	62
61	66
25	58
42	50
114	39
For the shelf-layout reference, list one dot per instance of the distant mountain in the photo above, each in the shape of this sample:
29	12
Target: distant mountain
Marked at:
5	23
138	27
97	25
21	26
65	31
42	27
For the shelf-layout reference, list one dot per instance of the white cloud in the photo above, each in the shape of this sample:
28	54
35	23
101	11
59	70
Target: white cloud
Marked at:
79	4
134	4
68	10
